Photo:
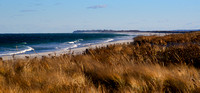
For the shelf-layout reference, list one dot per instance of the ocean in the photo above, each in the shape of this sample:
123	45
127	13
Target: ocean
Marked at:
36	43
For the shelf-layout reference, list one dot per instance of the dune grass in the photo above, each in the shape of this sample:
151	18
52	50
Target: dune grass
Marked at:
162	64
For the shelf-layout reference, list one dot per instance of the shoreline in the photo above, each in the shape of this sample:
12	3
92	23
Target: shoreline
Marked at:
74	51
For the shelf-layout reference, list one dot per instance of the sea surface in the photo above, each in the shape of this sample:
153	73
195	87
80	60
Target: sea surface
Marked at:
36	43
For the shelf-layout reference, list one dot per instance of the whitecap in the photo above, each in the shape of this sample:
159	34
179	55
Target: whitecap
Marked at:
109	40
71	47
72	42
74	46
19	52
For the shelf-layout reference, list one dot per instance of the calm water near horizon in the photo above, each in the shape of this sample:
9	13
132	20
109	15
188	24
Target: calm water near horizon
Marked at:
29	43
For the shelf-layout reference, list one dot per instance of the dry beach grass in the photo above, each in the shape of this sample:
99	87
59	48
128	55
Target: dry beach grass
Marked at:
150	64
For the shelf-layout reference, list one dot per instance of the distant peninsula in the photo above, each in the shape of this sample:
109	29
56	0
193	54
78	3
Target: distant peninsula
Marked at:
134	31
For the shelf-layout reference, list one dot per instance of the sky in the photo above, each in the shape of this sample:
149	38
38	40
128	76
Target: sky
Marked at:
66	16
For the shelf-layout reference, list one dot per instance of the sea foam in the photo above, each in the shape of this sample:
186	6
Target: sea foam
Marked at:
19	52
72	42
109	40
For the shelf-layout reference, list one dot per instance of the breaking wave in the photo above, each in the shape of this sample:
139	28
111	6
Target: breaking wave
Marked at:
109	40
73	46
19	52
72	42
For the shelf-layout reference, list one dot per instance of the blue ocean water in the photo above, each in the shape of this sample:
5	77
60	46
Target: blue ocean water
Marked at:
29	43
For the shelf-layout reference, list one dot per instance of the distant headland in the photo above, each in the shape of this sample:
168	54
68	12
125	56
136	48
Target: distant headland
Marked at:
136	31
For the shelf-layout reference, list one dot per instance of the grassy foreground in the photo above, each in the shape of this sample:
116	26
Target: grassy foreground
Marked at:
150	64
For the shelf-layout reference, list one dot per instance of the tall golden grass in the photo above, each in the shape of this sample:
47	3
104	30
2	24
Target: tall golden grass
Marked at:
150	64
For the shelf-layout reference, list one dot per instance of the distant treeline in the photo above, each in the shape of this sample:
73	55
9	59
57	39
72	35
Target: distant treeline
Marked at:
119	31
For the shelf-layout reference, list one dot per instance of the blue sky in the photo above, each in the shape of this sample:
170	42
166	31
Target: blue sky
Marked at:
65	16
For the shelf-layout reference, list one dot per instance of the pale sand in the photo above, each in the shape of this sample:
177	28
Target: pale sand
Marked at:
74	51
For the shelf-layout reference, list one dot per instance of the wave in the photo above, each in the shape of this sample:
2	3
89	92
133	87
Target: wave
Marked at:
73	46
72	42
109	40
19	52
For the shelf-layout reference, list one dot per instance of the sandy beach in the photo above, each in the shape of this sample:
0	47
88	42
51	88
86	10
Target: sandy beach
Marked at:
73	51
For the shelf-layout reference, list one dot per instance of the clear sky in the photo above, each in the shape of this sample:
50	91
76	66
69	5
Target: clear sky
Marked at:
65	16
